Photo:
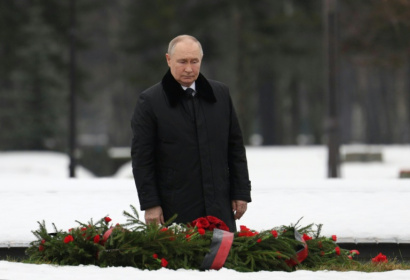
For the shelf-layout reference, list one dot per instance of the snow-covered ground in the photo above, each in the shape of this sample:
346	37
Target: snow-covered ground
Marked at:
37	165
370	204
17	271
301	162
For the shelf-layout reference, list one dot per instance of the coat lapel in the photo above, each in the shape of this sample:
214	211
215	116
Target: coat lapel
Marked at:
175	92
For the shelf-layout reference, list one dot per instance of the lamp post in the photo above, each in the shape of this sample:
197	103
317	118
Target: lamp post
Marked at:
332	122
72	79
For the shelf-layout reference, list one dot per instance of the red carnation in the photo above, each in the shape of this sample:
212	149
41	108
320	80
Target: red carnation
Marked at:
155	256
164	262
107	219
214	220
337	250
201	231
243	233
354	252
96	238
217	223
244	228
274	233
246	232
380	258
209	223
200	223
212	227
69	238
334	238
41	248
259	240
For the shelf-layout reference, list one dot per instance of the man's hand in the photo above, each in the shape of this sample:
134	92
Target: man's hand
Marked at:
154	215
239	208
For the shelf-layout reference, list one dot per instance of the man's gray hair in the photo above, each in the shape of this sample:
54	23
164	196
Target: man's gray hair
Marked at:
176	40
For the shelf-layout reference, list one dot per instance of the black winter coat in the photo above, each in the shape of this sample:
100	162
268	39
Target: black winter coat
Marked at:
191	163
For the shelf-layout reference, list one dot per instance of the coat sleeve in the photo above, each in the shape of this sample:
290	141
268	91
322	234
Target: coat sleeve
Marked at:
143	124
238	166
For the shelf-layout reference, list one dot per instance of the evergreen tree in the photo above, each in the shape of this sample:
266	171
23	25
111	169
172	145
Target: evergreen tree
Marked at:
33	83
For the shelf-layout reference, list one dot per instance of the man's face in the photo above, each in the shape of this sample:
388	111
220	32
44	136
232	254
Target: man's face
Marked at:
185	62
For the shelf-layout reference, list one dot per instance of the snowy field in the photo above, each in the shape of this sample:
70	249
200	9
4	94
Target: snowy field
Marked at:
368	205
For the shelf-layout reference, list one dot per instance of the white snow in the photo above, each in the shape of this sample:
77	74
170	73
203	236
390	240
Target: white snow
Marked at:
17	271
33	165
369	204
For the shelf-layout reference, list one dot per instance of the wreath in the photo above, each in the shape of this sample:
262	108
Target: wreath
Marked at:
202	244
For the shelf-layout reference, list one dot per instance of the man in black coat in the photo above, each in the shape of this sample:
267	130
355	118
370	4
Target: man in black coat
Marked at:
188	156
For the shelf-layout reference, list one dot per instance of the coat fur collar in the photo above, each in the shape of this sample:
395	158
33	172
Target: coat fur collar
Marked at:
175	92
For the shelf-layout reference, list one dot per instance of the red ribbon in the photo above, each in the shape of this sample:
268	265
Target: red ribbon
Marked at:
107	234
302	254
222	243
220	247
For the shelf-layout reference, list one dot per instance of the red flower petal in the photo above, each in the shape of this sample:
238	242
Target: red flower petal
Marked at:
224	227
107	219
337	250
164	262
274	233
244	228
201	223
380	258
69	238
211	227
96	239
214	220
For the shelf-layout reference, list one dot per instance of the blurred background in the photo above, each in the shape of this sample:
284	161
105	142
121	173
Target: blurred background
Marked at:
272	54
